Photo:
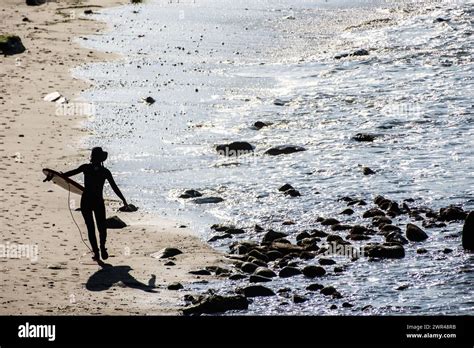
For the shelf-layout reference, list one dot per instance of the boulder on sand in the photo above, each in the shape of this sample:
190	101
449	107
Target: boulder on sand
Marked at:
190	194
11	44
468	232
115	222
218	304
166	253
35	2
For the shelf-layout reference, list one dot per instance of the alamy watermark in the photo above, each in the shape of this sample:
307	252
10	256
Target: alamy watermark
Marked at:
19	251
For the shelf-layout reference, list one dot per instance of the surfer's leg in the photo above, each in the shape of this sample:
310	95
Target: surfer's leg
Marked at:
89	220
99	213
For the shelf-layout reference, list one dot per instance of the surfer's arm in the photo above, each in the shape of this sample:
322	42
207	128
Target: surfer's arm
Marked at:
74	171
114	186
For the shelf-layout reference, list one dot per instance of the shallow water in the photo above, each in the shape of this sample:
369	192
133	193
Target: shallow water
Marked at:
215	67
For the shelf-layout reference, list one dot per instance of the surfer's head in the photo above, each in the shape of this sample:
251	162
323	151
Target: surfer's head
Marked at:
98	155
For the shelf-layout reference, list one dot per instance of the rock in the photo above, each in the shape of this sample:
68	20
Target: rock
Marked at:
190	194
313	271
265	272
149	100
328	290
390	228
447	251
468	232
421	251
271	235
347	305
333	306
130	208
88	12
208	200
356	53
248	267
235	149
387	251
237	276
452	213
329	222
259	279
35	2
257	291
415	234
258	228
367	171
284	150
396	237
372	213
326	262
204	272
175	286
299	299
358	229
219	237
364	137
286	248
167	252
274	255
288	271
292	193
286	187
302	236
258	255
259	125
170	263
381	220
234	231
341	227
314	287
115	222
347	211
280	102
218	304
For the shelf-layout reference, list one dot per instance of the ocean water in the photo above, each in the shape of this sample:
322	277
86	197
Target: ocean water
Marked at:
216	67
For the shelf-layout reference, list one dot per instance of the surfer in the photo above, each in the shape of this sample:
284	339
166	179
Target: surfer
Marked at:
92	200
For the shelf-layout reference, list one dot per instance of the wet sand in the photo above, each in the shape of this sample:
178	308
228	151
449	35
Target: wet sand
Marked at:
36	215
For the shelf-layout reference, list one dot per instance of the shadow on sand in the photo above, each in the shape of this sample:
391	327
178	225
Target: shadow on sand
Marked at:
109	275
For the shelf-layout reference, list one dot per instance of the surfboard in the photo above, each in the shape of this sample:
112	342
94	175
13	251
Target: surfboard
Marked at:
63	181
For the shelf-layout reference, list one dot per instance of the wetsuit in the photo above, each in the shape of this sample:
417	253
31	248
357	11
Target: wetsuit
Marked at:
92	200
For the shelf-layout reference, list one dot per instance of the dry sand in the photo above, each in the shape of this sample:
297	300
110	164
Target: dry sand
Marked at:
33	213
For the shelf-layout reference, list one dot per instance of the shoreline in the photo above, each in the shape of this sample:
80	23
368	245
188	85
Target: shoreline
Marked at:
34	136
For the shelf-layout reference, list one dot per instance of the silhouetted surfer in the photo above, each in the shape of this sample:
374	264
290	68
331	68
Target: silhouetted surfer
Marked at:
92	200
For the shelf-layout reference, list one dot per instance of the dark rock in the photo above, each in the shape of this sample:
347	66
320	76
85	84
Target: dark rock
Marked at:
169	252
234	231
347	211
328	290
271	235
333	306
306	255
293	193
149	100
421	251
265	272
302	236
372	213
338	269
175	286
447	251
313	271
248	267
329	221
390	228
274	255
287	272
314	287
257	291
415	234
358	229
367	171
388	251
208	200
381	220
363	137
347	305
258	255
341	227
359	52
35	2
88	12
326	262
190	194
259	279
235	149
219	237
452	213
115	222
286	248
204	272
299	299
468	232
286	187
396	237
130	208
284	150
259	125
258	228
218	304
237	276
170	263
279	102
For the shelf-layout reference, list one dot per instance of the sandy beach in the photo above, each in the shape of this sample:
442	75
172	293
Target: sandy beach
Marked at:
59	278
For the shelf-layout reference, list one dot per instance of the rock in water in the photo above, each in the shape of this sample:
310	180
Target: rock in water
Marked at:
235	149
468	232
218	304
387	251
364	137
367	171
115	222
208	200
415	234
190	194
259	125
287	272
284	150
313	271
452	213
256	291
271	235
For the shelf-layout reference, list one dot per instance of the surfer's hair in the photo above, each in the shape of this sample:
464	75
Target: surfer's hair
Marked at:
98	155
